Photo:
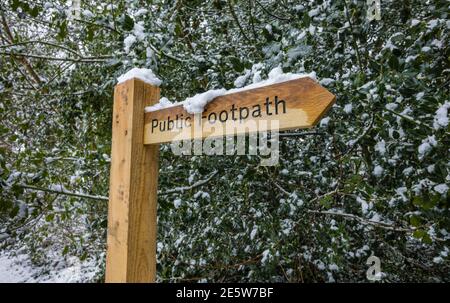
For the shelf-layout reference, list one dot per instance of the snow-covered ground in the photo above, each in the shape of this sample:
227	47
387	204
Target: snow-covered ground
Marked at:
19	269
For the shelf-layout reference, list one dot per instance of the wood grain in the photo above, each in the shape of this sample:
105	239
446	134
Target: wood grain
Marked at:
131	240
306	102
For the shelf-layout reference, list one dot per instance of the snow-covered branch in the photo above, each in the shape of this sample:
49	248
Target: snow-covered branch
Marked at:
186	188
64	192
75	60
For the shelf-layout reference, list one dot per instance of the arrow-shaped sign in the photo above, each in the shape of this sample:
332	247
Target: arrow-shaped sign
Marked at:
299	103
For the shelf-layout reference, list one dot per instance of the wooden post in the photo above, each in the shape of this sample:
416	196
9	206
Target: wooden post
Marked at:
131	252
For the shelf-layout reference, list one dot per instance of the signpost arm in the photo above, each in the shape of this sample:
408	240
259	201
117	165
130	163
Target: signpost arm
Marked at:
131	240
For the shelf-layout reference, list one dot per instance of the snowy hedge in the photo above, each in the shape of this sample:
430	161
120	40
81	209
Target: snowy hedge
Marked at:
371	179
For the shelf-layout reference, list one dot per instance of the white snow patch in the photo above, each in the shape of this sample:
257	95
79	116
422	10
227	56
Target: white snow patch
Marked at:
257	77
326	81
253	233
426	146
57	187
241	80
87	13
407	171
313	12
177	203
143	74
381	147
265	256
138	31
348	108
195	104
391	106
441	117
128	42
411	58
19	269
140	12
432	23
364	205
163	103
441	188
324	122
333	267
414	22
438	260
378	171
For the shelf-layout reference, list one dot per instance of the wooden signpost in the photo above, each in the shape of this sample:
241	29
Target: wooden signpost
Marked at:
131	241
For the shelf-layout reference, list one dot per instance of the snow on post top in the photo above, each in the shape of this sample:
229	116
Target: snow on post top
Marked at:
143	74
196	104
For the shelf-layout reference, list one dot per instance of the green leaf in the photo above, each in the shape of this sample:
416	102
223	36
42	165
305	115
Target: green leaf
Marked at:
426	239
128	23
14	212
62	33
393	62
415	221
90	33
417	201
429	203
326	201
15	5
50	217
178	30
83	256
419	234
237	64
34	12
423	236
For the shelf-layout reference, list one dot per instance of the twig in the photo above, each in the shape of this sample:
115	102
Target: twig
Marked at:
270	14
42	42
97	24
355	45
23	60
281	188
186	188
233	14
364	133
77	60
63	192
301	134
361	220
408	118
162	53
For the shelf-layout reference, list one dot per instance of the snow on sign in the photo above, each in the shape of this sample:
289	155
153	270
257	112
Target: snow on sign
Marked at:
298	103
